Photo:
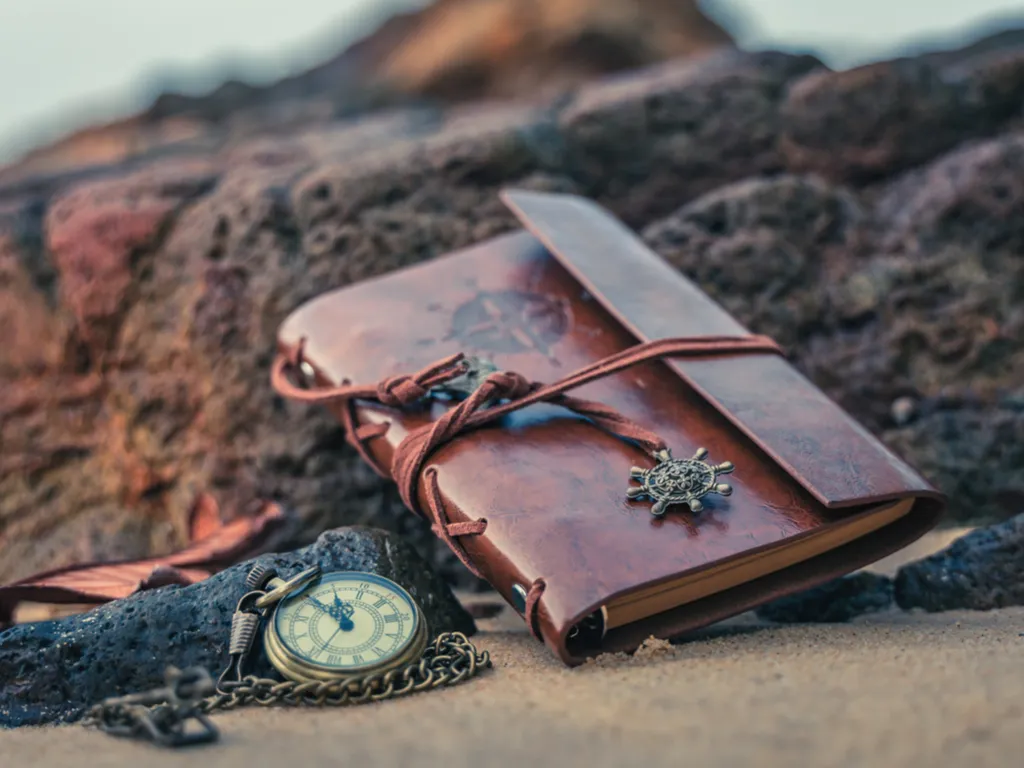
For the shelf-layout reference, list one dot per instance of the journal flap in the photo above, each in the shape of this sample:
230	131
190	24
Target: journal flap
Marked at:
829	454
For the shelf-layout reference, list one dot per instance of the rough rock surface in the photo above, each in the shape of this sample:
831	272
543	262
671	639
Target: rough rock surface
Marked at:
907	112
981	571
836	601
50	671
140	301
904	305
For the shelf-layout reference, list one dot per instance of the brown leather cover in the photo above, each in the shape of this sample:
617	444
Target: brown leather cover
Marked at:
576	287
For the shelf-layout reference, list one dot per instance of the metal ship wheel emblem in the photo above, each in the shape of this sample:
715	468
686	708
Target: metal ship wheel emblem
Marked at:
679	481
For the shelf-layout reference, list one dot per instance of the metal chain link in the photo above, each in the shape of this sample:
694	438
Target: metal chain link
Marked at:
450	660
162	715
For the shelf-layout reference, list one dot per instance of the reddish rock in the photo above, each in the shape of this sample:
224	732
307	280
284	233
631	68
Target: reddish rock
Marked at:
33	334
458	49
92	239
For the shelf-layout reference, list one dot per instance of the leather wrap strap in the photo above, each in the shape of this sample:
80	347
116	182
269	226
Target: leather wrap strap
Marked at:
500	394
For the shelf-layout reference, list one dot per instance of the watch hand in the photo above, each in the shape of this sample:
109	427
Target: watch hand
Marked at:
332	636
325	608
342	607
332	611
343	613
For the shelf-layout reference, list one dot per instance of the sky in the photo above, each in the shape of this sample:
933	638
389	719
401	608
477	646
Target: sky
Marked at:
68	63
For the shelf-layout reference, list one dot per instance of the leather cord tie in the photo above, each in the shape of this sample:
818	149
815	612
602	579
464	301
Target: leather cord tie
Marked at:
395	392
498	395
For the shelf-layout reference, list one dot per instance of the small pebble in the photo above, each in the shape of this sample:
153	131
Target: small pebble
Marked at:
903	410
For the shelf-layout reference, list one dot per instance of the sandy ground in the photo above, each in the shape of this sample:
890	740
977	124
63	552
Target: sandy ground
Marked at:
887	690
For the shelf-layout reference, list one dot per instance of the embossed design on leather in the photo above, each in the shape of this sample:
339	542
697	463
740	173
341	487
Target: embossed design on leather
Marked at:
511	321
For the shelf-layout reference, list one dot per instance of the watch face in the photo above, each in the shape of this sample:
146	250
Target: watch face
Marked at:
347	621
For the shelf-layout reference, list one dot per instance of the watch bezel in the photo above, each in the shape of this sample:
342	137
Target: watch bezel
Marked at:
295	667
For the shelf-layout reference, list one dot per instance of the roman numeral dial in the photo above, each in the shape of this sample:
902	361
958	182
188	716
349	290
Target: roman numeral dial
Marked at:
345	622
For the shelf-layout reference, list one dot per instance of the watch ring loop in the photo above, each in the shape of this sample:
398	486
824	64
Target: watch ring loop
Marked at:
281	590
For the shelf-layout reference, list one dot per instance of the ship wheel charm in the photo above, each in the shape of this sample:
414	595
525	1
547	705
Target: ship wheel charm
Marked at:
679	481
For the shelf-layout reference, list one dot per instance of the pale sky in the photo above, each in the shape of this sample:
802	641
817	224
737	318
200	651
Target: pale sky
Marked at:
64	63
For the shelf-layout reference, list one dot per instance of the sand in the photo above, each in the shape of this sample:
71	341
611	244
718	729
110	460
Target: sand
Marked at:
892	689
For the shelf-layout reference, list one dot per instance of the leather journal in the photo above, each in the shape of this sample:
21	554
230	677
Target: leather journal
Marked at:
556	496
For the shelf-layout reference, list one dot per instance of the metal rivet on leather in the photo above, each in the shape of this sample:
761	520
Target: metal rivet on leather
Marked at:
519	597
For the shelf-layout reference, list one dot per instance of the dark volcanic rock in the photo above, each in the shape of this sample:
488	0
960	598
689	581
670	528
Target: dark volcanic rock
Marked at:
981	571
871	121
836	601
646	142
758	248
974	450
970	198
912	295
50	671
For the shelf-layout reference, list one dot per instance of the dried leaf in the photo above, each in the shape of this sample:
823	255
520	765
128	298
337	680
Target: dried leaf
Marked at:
232	542
204	520
93	583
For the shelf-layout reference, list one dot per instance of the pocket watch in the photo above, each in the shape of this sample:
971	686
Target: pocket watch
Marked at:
342	624
338	638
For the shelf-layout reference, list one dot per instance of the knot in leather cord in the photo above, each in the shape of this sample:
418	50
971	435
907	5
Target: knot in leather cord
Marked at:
400	391
396	391
506	385
412	452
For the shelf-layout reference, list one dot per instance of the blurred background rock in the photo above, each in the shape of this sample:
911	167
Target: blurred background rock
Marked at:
66	64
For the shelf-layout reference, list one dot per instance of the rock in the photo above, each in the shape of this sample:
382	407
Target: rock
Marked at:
875	319
836	601
979	572
465	49
758	246
870	121
971	198
974	450
646	142
51	671
452	51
